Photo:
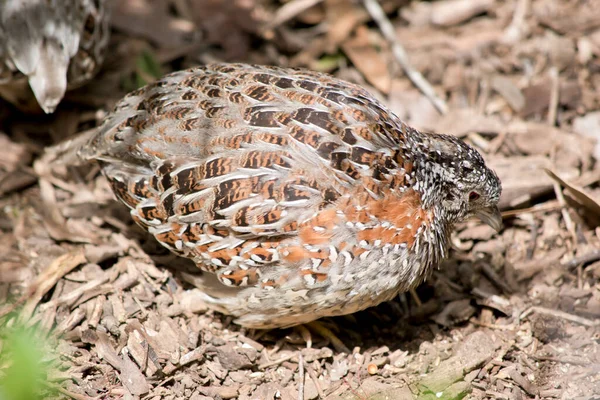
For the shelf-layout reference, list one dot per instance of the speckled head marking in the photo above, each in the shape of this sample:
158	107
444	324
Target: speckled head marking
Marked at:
454	179
301	193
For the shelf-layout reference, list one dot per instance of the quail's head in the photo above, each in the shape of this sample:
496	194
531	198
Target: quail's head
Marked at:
457	182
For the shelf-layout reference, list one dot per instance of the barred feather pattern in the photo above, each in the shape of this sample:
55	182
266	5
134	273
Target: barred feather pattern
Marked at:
300	193
50	46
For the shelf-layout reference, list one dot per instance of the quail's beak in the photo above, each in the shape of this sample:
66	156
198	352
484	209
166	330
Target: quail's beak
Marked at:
491	216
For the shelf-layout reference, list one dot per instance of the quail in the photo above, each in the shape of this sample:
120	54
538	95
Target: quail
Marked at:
298	194
49	46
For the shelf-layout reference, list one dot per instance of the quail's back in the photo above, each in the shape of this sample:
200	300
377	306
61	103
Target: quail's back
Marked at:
299	194
49	46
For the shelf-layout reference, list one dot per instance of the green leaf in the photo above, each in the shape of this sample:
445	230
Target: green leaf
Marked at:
22	370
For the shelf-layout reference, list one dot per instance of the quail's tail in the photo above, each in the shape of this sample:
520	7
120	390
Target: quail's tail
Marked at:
67	152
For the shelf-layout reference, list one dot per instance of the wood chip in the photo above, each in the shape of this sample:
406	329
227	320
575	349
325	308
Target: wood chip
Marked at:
361	51
454	12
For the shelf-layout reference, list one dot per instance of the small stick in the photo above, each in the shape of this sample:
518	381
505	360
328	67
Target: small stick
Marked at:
474	320
315	380
377	13
494	298
489	272
551	205
70	394
290	10
564	211
533	240
564	360
301	377
554	96
497	142
584	259
559	314
276	362
514	31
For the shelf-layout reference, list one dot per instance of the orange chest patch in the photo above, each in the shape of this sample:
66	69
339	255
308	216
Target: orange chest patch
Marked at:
391	220
319	229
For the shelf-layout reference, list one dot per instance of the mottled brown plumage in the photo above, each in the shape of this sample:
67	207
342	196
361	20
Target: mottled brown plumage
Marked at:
300	194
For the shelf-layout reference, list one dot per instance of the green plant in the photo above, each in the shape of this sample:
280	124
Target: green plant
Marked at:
22	367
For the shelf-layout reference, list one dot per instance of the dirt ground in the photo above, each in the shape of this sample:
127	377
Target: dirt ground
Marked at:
511	315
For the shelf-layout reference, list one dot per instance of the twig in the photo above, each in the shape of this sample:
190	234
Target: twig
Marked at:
301	377
315	380
564	360
564	210
497	395
484	96
494	298
533	239
514	31
551	205
584	259
497	142
290	10
554	96
496	280
474	321
559	314
377	13
276	362
355	391
68	393
587	178
72	296
58	268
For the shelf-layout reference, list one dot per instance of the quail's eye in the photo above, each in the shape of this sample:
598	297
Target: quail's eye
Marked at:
473	196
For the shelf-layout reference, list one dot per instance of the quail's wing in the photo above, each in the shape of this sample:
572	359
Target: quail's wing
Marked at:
250	148
211	157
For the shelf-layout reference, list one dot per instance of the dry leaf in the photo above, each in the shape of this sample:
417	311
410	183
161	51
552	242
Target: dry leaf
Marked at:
577	193
151	20
361	51
454	12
